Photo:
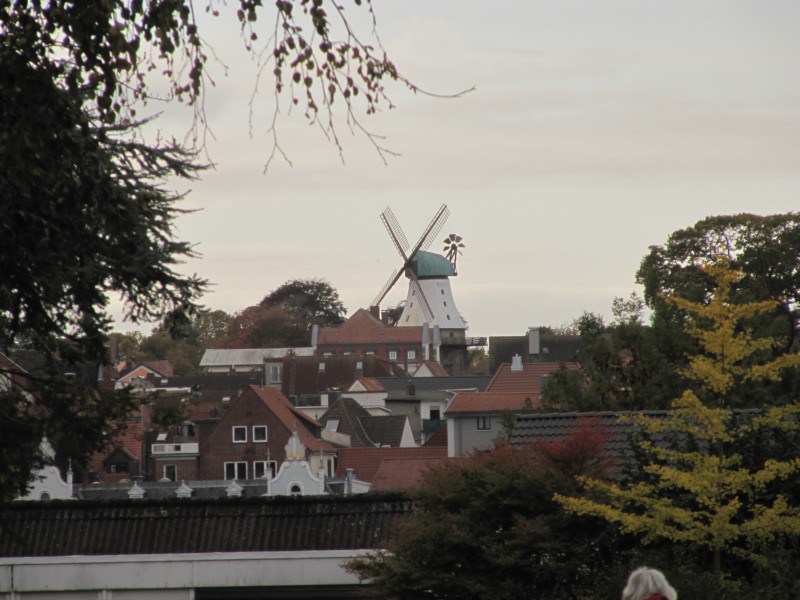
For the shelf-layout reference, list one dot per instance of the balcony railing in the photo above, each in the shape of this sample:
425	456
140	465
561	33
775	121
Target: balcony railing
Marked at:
187	448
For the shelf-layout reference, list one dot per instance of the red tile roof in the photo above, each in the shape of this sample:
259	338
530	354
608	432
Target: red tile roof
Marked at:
290	417
439	437
400	474
371	384
491	402
364	328
529	379
436	369
366	461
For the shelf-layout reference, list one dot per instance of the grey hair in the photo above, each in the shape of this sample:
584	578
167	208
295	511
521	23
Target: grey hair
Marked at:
645	582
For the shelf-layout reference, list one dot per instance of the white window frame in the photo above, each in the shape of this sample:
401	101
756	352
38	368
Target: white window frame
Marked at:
411	354
236	428
270	468
392	354
236	470
275	373
255	437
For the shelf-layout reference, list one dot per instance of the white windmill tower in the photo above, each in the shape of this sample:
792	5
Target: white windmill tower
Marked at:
429	300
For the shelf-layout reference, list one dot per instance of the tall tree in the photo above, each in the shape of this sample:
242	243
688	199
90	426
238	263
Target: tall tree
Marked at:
308	302
698	488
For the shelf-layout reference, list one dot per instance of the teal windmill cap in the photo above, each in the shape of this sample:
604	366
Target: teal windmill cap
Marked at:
430	264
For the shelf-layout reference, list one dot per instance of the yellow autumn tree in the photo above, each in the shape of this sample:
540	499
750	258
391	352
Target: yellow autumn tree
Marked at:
696	487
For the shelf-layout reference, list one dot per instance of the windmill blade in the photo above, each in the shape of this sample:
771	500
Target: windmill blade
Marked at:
432	230
395	232
427	311
386	287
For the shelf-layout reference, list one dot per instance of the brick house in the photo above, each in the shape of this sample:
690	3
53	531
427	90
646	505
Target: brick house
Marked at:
249	440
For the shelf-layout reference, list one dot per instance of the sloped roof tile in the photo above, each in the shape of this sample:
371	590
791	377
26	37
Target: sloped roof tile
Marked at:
491	402
528	379
366	461
363	328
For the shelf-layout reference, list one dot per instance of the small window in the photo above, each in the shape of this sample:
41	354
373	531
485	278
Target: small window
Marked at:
259	433
484	423
322	367
448	317
235	470
327	354
332	425
392	354
411	354
295	489
442	292
171	472
239	434
370	352
264	468
275	373
435	414
445	302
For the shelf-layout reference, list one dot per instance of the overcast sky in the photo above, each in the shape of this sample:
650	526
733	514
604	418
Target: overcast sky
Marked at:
596	129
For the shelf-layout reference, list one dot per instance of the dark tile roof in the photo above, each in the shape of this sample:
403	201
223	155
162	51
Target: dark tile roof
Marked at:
473	382
215	382
349	412
70	528
385	430
303	375
556	348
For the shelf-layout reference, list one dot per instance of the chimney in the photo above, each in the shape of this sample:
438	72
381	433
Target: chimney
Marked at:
437	343
314	335
516	363
426	346
534	341
411	389
348	482
375	311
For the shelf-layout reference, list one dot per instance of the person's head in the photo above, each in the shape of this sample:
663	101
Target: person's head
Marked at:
644	583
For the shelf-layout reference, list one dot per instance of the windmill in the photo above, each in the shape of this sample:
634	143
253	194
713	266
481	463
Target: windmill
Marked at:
430	298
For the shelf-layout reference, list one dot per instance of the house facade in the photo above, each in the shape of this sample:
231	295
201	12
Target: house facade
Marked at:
250	439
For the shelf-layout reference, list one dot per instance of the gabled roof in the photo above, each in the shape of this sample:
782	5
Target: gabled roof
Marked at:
291	417
364	328
348	413
491	402
366	461
315	374
435	369
402	474
365	430
370	384
385	430
527	379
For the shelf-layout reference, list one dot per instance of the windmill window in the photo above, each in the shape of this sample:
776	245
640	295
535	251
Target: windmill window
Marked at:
259	433
235	470
239	434
413	292
448	317
408	317
442	292
445	303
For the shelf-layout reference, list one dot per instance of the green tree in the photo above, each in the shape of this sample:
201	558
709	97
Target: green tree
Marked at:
486	527
620	366
308	302
698	488
478	361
